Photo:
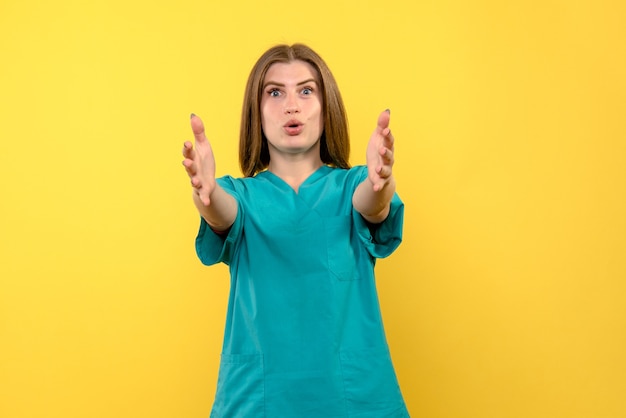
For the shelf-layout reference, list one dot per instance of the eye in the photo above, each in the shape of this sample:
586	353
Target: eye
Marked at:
307	91
274	93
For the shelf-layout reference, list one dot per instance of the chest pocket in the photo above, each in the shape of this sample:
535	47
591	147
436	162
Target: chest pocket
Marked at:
341	257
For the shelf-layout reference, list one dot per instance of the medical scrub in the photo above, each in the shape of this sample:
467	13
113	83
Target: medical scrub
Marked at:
304	336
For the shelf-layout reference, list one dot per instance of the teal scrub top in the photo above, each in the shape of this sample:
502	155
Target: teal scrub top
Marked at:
304	335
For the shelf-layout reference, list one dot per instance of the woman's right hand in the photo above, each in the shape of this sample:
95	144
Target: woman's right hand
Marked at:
199	162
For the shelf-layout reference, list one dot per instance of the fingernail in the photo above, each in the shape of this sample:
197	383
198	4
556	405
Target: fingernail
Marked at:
192	115
388	111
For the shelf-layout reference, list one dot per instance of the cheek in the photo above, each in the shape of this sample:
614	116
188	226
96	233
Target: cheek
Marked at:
268	110
321	118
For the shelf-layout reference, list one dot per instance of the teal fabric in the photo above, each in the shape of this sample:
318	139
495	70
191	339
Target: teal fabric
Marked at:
304	336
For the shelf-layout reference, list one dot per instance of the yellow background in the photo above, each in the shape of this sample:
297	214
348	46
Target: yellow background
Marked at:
508	295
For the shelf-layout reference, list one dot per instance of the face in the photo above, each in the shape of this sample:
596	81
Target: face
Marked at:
291	110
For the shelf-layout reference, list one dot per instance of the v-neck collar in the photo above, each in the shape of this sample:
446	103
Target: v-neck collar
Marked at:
279	182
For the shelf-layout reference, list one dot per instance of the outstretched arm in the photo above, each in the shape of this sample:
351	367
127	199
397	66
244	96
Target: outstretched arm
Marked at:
215	205
373	196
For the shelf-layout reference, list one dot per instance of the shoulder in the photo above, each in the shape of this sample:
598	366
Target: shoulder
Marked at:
238	184
348	177
358	172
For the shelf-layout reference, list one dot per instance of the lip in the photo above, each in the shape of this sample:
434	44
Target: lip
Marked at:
292	123
293	127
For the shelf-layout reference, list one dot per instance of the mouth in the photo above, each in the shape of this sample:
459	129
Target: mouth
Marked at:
293	127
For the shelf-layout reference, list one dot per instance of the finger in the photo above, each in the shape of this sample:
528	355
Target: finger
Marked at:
198	128
206	201
190	167
388	138
203	195
204	198
384	171
188	150
386	155
378	186
385	152
195	183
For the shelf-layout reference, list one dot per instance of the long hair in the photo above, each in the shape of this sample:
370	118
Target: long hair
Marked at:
334	143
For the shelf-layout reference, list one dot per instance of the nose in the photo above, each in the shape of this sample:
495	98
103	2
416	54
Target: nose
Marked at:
291	105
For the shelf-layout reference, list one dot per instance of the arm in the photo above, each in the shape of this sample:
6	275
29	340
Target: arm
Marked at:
214	204
373	196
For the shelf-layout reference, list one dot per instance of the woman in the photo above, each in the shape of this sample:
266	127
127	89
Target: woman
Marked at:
301	233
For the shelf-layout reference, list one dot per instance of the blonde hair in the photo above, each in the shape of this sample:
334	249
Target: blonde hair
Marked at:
334	142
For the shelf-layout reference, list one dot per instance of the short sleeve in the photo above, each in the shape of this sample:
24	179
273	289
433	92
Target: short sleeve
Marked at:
387	236
213	248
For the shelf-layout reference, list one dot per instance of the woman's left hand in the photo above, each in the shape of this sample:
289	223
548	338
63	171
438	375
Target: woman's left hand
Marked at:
380	153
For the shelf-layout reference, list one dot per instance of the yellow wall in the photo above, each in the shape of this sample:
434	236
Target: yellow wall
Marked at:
507	298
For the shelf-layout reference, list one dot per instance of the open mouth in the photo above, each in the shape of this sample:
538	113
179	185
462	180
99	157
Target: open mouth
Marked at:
293	127
293	124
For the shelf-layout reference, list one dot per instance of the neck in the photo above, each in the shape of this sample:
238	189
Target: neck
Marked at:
294	171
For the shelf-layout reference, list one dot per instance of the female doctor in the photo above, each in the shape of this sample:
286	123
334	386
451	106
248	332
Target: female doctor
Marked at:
300	232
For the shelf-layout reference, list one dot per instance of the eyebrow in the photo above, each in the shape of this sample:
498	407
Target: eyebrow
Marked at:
274	83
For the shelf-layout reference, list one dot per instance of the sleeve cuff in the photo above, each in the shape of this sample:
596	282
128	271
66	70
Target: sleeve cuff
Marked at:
383	240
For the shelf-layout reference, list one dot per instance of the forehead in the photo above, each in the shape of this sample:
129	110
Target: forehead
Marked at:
293	71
